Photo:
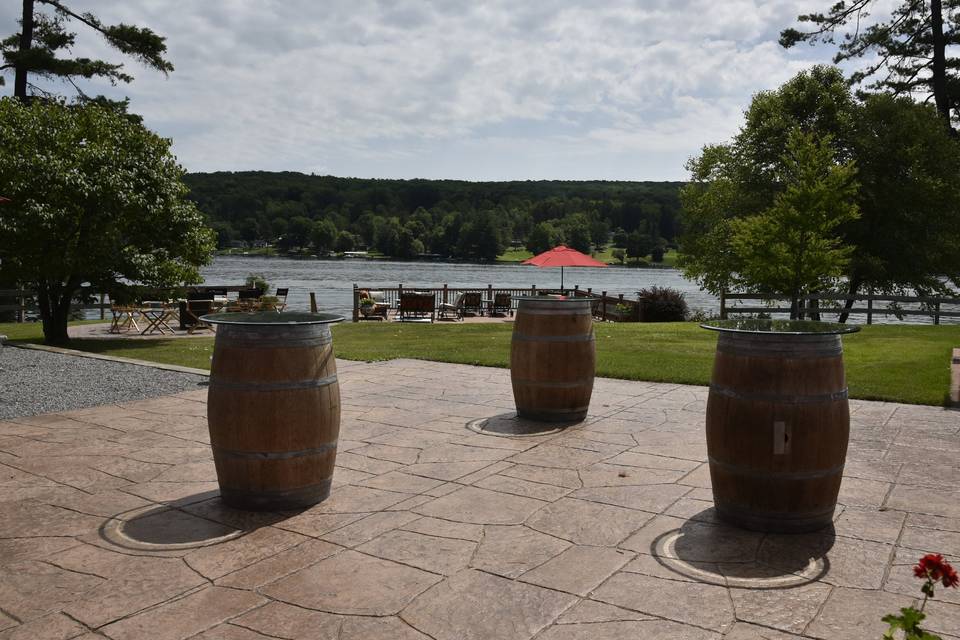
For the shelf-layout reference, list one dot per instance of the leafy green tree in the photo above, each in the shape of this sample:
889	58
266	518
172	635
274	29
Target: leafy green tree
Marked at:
577	231
323	235
225	234
909	172
907	53
480	238
639	244
299	231
545	236
366	227
387	239
599	232
444	241
408	244
37	49
908	168
345	242
95	198
620	238
619	255
794	248
279	228
249	230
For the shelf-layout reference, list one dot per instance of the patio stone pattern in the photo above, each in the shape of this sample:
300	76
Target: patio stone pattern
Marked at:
111	525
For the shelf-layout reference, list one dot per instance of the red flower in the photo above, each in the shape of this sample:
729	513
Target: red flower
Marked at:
933	567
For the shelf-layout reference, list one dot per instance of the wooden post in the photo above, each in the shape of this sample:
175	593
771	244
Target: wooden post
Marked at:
590	291
356	303
313	302
936	312
444	292
533	290
955	378
603	312
870	308
723	304
576	290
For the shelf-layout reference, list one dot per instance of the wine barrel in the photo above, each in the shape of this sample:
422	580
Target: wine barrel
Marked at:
552	358
273	408
778	423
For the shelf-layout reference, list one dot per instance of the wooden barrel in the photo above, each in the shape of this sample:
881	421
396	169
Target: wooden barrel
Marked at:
273	408
552	358
777	429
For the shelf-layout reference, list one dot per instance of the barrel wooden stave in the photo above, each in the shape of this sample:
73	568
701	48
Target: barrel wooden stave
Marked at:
274	415
797	381
552	360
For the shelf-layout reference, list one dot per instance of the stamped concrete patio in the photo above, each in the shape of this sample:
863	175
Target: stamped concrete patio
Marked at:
110	525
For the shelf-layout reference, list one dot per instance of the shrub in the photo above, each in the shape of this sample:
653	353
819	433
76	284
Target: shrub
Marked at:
657	254
662	304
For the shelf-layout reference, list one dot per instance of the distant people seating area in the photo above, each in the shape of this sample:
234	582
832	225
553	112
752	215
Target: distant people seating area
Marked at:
168	310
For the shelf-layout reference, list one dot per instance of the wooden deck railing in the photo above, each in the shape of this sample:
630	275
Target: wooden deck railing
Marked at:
23	301
811	306
605	307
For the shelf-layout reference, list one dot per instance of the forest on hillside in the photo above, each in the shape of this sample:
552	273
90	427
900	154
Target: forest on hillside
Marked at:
454	219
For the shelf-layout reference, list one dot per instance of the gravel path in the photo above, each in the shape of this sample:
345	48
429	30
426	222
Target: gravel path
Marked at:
33	382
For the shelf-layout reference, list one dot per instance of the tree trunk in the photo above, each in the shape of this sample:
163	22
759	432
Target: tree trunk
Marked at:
54	303
939	75
852	290
26	42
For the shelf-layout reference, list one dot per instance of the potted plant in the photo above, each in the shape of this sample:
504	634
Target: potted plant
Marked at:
624	312
367	306
269	303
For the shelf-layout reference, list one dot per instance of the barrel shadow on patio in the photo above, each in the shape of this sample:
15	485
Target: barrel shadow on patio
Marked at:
110	522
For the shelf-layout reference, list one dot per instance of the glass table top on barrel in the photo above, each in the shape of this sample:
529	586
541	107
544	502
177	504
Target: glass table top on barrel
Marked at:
780	327
777	422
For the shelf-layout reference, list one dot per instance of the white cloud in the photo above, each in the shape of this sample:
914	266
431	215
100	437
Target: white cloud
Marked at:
475	90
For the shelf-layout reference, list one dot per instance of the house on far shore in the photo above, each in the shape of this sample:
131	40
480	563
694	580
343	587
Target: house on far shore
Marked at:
355	254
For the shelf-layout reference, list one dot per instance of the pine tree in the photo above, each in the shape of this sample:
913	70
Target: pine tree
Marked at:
43	39
906	53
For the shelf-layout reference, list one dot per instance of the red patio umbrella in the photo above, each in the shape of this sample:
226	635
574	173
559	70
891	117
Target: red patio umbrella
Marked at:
563	256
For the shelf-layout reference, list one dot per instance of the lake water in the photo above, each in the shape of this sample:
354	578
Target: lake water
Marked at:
333	280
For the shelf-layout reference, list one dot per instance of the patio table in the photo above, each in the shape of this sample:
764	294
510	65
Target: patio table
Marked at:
157	314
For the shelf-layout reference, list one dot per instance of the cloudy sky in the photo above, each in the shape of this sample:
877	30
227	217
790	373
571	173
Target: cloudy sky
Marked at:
465	89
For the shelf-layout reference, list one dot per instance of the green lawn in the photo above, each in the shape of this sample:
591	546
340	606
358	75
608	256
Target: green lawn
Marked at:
893	362
514	255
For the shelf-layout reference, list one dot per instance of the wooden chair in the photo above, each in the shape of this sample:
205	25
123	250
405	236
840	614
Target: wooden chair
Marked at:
502	304
417	306
282	299
124	318
445	310
380	305
195	309
472	303
249	294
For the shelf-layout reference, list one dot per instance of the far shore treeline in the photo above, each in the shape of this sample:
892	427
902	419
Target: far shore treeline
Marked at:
455	219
